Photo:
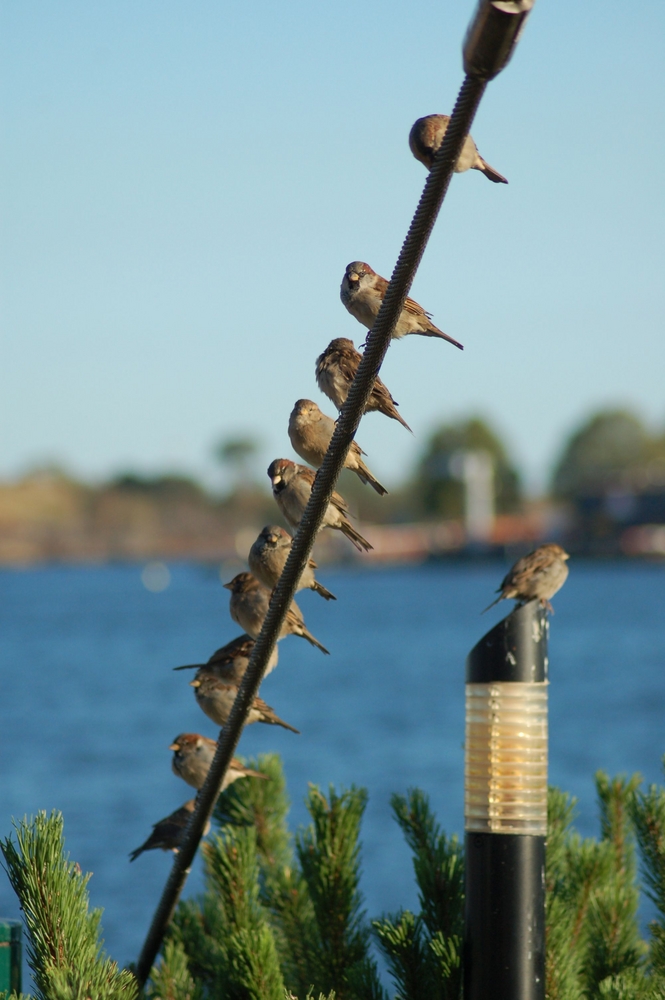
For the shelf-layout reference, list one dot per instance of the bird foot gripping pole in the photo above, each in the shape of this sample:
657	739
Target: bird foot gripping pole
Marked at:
505	809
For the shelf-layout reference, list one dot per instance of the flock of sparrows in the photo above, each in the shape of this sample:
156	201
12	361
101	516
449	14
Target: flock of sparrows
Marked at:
216	682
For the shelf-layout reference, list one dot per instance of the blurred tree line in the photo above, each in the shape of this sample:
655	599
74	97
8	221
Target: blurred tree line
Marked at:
612	450
611	473
609	480
610	456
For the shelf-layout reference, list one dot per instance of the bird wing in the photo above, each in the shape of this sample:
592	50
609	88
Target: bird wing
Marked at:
526	568
412	307
307	474
228	653
348	363
381	392
294	617
338	501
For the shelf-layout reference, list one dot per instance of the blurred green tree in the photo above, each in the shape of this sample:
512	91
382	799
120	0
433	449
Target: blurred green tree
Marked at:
607	452
237	454
441	493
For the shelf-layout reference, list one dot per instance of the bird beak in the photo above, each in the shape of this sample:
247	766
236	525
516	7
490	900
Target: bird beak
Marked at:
174	746
193	684
353	277
227	586
276	480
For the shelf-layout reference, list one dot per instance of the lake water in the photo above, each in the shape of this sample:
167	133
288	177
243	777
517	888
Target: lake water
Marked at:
90	704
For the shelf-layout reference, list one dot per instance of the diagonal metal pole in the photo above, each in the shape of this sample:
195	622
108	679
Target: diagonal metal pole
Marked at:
490	41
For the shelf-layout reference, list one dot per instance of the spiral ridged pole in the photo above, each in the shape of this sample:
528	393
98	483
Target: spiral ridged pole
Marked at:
377	344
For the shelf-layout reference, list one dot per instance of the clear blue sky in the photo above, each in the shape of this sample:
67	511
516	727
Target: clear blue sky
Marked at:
184	183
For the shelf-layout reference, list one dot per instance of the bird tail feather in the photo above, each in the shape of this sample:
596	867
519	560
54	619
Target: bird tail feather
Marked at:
435	332
318	588
276	721
499	598
398	417
354	536
490	172
368	479
314	642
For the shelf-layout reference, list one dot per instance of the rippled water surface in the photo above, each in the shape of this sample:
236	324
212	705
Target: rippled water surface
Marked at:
89	704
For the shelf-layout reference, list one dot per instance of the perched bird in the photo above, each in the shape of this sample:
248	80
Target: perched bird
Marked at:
425	139
335	371
268	555
234	656
310	432
167	833
249	606
291	488
215	697
192	757
536	576
362	293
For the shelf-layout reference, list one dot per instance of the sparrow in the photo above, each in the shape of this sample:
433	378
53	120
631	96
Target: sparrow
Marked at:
249	606
167	833
268	556
362	293
215	697
536	576
235	655
335	371
291	488
310	432
192	757
425	139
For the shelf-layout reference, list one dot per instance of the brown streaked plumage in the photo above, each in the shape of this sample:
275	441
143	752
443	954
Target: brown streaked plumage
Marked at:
425	140
215	697
310	432
267	558
167	833
233	656
335	371
536	576
249	606
291	488
192	757
363	291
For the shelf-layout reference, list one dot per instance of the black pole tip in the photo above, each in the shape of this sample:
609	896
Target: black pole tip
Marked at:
514	650
492	36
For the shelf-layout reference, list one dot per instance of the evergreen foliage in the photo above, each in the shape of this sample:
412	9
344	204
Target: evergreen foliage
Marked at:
328	851
281	917
171	980
648	815
305	898
426	950
64	947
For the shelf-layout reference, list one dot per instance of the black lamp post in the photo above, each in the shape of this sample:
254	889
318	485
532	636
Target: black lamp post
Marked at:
505	809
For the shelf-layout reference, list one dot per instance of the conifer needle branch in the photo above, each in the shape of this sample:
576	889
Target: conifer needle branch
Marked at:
378	341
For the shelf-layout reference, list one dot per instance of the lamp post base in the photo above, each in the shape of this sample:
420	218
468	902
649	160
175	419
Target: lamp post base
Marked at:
504	943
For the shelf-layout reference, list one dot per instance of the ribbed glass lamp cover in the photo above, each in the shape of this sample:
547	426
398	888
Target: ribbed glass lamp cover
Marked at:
505	767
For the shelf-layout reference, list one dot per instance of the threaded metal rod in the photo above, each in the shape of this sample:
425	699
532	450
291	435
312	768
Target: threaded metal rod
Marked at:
378	342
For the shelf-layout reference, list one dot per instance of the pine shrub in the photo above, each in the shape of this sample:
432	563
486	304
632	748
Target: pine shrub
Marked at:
281	917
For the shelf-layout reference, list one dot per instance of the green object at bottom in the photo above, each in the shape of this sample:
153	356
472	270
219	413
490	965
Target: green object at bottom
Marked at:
10	955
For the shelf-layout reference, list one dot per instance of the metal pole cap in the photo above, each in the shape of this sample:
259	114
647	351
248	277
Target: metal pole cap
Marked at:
492	36
514	650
